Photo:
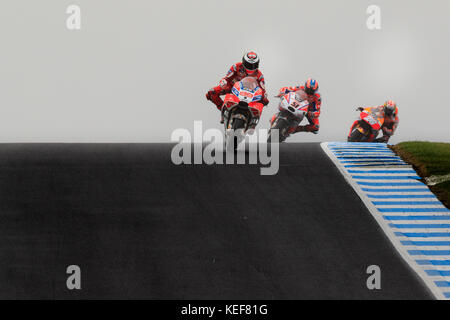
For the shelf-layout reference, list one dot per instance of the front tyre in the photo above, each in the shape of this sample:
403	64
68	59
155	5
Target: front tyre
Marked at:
282	126
356	136
237	134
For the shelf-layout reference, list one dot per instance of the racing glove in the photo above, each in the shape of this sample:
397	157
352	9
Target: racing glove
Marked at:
223	83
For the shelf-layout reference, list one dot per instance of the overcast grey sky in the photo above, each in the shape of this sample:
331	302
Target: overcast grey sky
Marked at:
139	69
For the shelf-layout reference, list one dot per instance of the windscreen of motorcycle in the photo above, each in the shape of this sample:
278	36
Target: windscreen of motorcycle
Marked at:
249	84
293	103
247	90
375	118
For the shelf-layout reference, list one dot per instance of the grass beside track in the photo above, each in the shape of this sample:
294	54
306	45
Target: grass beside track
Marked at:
429	159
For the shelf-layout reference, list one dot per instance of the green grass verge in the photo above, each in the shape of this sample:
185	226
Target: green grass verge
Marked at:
429	159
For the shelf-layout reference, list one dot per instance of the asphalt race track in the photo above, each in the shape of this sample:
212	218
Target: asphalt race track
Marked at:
140	227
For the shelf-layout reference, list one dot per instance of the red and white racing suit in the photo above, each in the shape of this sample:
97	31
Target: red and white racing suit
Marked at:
315	103
236	73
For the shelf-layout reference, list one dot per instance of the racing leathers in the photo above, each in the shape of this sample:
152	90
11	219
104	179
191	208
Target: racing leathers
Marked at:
236	73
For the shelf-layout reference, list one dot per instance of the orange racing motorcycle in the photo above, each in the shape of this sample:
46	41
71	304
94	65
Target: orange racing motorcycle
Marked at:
367	126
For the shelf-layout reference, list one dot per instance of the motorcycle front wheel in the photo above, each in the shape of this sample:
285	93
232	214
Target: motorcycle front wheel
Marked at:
238	124
282	127
356	136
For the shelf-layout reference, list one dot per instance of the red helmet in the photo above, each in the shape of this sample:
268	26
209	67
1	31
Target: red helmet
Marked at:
390	108
250	61
311	86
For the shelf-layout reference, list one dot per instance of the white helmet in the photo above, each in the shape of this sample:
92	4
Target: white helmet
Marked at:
250	61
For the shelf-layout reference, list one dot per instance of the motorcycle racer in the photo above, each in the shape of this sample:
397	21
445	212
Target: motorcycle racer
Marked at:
310	92
249	67
389	111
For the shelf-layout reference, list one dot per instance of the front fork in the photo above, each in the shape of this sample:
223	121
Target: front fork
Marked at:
229	119
275	118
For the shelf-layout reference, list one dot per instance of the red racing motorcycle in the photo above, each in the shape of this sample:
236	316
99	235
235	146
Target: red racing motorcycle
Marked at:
242	110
